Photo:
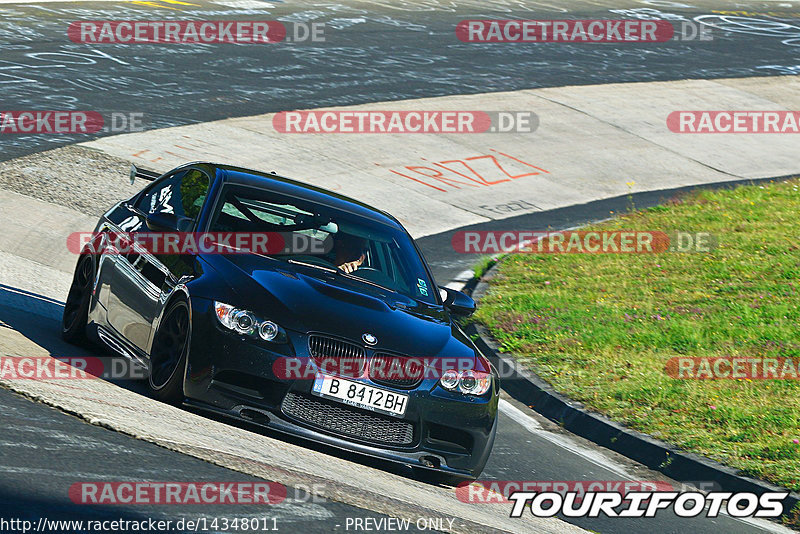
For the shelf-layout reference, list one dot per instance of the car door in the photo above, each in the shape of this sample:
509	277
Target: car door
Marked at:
141	276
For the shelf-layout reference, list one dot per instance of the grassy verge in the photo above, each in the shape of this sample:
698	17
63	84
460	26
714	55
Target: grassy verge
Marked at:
485	263
601	328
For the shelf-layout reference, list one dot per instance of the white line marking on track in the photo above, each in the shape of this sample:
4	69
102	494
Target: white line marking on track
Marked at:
532	425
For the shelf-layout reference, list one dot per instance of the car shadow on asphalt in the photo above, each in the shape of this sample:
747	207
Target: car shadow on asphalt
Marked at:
395	468
38	319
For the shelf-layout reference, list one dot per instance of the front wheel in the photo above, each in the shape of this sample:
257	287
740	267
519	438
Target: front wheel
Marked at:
76	309
168	356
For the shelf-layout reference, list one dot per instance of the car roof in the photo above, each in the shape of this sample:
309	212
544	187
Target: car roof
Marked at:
286	186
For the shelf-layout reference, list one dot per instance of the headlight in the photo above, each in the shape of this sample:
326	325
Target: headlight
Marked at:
449	379
243	322
268	330
247	324
224	314
468	382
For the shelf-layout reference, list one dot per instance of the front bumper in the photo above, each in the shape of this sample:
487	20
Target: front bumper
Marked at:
234	376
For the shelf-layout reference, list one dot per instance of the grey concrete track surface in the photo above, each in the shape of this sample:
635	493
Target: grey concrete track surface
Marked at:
371	485
374	51
45	451
594	142
527	448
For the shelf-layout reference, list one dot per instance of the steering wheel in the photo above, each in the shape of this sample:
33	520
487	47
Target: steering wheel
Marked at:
370	269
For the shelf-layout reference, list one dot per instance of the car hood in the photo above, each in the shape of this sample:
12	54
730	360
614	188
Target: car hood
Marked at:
305	299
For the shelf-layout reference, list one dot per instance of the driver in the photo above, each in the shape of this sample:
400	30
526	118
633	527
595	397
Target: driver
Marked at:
350	251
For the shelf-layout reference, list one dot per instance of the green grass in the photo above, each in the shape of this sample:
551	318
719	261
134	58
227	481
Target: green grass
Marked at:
485	263
600	328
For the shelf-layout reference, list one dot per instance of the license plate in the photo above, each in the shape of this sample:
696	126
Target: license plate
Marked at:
361	395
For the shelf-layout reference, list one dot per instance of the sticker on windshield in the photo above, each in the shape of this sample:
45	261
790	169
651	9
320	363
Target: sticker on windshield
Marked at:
422	287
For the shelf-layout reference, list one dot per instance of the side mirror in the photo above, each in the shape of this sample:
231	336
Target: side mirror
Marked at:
457	302
162	222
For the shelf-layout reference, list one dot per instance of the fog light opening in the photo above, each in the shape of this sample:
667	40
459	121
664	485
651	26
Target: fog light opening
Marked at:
430	461
254	416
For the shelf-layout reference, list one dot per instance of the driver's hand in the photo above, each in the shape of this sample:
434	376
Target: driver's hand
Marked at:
350	266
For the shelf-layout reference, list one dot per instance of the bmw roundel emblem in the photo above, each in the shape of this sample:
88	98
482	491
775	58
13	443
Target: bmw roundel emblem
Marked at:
369	339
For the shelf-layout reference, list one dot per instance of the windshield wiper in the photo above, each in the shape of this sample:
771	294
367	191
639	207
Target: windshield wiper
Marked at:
313	265
370	282
341	273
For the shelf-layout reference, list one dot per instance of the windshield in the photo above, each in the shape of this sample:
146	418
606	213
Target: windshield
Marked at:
356	247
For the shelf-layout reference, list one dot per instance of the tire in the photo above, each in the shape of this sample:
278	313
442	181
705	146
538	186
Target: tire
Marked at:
76	309
169	352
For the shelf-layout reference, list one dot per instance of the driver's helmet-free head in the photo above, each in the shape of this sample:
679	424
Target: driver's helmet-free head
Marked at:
348	247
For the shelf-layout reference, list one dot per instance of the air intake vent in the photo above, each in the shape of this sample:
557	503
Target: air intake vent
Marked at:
343	358
396	371
351	422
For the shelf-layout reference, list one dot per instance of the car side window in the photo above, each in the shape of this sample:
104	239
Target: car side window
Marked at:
181	194
158	197
193	190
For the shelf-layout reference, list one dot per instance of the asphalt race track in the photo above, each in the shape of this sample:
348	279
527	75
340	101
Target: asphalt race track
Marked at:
68	449
33	483
374	52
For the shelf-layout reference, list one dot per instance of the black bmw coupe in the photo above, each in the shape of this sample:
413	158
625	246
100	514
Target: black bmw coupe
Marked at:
220	331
